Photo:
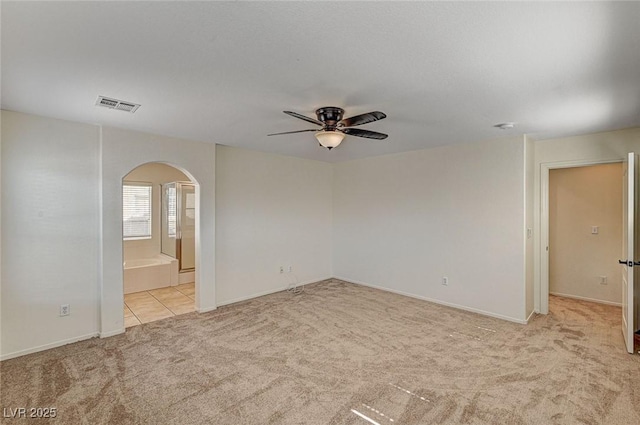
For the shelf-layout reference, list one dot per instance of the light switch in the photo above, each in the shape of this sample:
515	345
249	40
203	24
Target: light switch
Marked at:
594	230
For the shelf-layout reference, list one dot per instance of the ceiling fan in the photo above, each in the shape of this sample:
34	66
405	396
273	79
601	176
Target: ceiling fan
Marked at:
334	127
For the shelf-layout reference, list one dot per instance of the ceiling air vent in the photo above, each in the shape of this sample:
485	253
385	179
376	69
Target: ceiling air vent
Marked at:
121	105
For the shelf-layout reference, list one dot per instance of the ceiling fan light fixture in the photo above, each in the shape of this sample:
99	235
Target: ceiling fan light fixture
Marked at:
329	139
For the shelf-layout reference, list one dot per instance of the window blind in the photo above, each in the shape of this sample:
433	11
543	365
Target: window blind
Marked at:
171	211
136	211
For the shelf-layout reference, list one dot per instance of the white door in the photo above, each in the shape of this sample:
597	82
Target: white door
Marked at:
629	211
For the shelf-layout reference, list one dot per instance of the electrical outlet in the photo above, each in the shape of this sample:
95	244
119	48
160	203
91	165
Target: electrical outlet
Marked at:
65	310
290	269
281	269
603	280
445	280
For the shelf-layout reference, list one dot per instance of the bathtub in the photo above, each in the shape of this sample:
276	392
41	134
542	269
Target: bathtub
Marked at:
143	274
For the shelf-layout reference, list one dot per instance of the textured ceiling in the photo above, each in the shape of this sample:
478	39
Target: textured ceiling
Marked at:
224	72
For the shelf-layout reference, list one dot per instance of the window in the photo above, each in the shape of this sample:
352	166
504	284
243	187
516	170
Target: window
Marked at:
136	211
170	192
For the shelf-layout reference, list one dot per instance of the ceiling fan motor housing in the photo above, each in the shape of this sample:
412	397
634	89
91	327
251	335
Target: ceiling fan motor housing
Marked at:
330	116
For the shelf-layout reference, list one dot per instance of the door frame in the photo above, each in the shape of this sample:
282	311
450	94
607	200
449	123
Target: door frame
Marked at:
544	219
630	251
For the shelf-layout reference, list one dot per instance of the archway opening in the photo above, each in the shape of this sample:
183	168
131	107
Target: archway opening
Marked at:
159	210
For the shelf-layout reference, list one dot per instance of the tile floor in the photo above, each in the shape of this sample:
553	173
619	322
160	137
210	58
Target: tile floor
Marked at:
149	306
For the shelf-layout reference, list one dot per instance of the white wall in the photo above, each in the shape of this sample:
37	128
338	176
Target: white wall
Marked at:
64	227
1	233
121	152
271	211
588	148
399	222
156	174
579	198
50	231
403	221
609	145
276	211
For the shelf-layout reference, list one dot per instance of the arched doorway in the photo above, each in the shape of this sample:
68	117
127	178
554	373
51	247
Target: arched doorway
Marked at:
120	152
158	243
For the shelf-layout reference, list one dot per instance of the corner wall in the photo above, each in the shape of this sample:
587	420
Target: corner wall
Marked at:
399	222
271	211
403	221
64	227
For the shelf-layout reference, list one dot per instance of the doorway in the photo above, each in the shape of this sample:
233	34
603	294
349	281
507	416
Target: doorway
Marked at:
585	232
178	223
542	296
157	282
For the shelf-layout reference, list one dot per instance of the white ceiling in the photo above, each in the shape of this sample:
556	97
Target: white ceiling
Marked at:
224	72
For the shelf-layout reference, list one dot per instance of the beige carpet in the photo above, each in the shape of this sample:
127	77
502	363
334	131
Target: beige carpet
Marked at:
333	354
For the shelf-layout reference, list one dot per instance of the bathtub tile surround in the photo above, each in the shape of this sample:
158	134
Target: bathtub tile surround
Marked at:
157	304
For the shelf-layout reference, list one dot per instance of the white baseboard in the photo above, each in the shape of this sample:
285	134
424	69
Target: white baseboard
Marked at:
431	300
270	291
112	333
593	300
47	346
206	309
279	289
530	315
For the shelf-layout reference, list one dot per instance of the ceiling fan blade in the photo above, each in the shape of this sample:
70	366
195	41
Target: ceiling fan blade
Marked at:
364	133
291	132
303	117
363	118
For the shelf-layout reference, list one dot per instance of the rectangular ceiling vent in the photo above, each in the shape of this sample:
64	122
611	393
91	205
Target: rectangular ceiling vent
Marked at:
120	105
